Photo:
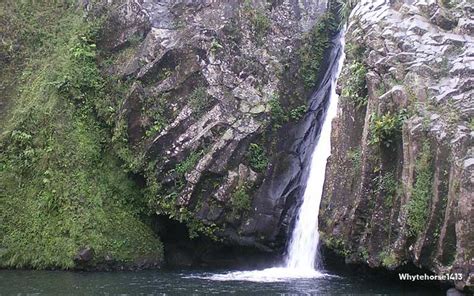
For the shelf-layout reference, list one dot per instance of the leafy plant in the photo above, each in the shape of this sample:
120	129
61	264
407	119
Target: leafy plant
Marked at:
355	87
186	165
417	207
277	113
386	129
215	46
388	259
257	157
344	10
241	199
298	112
312	51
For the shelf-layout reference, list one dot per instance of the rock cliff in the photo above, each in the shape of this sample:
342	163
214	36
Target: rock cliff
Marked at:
399	181
218	117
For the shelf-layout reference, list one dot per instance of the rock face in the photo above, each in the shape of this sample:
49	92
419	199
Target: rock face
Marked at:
399	186
205	121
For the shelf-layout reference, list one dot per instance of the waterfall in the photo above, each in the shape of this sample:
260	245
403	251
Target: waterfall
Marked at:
303	247
302	253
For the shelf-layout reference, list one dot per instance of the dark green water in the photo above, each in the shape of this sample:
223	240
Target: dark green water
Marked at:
185	283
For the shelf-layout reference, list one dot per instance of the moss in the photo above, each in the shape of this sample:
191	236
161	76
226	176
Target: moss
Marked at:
418	205
61	187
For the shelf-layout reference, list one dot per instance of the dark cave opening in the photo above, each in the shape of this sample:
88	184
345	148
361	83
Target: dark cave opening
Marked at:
181	251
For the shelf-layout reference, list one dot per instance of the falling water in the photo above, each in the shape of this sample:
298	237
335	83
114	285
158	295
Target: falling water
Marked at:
303	248
302	259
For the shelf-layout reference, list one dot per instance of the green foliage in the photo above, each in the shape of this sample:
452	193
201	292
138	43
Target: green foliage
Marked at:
344	8
279	116
364	253
260	23
277	113
298	112
157	126
257	157
388	259
337	245
386	129
241	199
164	201
61	188
312	51
155	109
199	100
355	87
418	205
215	46
190	162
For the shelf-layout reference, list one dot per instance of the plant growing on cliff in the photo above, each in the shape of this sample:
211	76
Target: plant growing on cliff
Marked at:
312	51
187	164
418	205
344	8
241	199
277	113
355	87
257	157
386	129
215	46
298	112
388	259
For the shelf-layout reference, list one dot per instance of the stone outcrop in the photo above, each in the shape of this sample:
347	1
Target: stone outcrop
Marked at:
211	84
399	186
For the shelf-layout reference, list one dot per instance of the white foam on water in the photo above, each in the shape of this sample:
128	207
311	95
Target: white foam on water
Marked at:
274	274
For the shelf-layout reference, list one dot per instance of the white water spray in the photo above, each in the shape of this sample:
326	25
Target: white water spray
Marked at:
302	259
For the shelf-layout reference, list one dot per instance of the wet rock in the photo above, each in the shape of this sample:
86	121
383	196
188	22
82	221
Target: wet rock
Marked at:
371	190
202	76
